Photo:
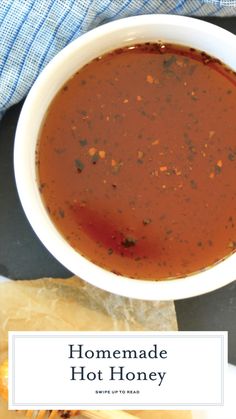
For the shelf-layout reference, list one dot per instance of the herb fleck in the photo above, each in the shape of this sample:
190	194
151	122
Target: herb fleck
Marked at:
41	187
231	156
83	142
147	221
217	169
168	62
129	242
191	69
79	165
95	158
61	213
193	184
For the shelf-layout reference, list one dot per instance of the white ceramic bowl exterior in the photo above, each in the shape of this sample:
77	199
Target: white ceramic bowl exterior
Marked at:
176	29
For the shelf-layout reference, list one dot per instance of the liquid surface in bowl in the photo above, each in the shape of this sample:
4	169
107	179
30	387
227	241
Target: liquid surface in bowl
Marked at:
137	161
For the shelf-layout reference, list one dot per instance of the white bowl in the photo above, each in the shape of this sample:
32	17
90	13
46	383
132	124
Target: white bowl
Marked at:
175	29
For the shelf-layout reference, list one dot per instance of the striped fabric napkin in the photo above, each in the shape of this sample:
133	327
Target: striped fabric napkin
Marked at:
33	31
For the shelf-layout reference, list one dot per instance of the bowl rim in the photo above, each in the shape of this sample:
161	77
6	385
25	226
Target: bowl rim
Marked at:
192	285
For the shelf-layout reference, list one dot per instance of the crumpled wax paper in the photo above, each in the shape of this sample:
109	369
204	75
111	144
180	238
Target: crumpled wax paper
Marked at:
74	305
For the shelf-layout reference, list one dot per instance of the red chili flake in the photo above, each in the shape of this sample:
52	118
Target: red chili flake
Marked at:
92	151
163	168
113	163
149	79
102	154
178	172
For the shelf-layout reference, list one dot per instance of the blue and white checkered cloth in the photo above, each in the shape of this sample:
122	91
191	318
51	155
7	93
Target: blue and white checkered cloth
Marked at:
33	31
